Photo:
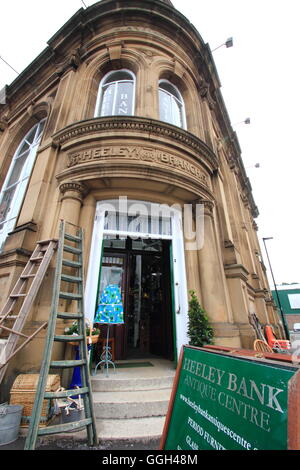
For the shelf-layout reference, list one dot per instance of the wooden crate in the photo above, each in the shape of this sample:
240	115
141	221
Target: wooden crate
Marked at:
23	393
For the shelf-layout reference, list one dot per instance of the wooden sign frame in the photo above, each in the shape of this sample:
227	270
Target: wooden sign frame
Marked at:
272	359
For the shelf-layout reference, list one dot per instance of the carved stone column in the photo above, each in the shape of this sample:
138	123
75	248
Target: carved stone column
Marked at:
212	279
73	193
86	220
192	263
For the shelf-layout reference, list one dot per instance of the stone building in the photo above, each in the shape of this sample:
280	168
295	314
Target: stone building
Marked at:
123	112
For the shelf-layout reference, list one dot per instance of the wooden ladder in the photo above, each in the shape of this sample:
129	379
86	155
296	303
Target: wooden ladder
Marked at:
70	246
20	301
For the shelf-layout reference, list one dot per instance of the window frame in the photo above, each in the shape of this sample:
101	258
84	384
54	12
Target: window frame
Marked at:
176	99
99	101
21	183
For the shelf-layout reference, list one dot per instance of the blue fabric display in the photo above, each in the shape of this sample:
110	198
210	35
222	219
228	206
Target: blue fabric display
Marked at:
110	309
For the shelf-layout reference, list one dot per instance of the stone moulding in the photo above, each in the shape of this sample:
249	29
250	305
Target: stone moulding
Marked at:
86	172
136	124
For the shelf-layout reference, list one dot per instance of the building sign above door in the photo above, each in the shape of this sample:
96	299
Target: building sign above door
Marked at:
145	154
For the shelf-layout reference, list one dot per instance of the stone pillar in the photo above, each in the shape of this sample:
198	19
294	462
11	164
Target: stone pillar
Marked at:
215	297
73	193
86	220
211	275
192	267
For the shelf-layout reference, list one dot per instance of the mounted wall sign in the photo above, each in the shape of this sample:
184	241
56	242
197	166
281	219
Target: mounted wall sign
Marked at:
224	402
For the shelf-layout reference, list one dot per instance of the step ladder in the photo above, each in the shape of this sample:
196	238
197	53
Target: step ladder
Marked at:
69	247
20	301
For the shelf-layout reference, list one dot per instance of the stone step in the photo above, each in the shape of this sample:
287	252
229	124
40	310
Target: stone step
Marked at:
100	383
137	429
132	404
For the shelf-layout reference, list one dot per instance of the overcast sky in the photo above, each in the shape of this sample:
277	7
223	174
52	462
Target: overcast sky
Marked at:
260	79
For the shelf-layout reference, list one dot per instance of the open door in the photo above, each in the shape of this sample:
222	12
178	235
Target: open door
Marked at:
141	268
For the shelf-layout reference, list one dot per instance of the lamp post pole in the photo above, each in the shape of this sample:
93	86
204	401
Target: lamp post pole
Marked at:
278	300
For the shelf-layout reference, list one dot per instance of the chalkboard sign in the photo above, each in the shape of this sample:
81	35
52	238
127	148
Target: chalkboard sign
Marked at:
225	402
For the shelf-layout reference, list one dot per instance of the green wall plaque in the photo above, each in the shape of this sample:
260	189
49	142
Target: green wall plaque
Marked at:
224	402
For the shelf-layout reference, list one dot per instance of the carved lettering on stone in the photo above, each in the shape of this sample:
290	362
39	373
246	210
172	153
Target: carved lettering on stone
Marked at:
147	154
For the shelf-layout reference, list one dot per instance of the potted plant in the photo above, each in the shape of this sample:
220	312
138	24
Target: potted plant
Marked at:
92	334
199	330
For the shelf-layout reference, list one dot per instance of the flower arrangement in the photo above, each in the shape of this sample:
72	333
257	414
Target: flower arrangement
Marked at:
73	330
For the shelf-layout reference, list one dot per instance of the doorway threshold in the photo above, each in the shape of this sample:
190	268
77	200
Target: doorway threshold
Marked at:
137	370
133	363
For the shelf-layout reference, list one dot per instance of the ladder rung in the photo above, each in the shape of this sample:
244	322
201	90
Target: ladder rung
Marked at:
71	249
47	242
73	279
71	264
14	296
70	296
66	338
69	316
37	258
72	238
27	276
67	364
10	317
60	428
66	393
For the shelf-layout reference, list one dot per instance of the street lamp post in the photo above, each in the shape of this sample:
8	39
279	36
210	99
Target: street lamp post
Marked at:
278	300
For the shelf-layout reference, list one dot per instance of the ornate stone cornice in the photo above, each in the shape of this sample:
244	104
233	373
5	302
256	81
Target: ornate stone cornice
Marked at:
205	93
71	62
149	127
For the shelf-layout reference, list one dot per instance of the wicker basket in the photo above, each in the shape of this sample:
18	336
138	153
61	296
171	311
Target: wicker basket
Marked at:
23	393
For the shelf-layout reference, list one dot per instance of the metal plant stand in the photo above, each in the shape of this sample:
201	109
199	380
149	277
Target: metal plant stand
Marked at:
106	356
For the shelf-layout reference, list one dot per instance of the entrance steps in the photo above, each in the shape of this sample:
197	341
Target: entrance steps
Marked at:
131	403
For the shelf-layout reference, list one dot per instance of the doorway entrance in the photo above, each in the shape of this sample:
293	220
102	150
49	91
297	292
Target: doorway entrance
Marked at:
141	269
129	228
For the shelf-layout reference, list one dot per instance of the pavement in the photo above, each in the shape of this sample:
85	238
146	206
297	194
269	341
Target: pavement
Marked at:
78	440
55	443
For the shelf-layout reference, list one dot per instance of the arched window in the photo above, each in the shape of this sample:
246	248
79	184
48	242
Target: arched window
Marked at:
171	105
116	94
15	184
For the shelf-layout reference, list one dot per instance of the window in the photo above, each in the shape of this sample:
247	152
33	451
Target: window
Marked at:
14	187
116	94
294	300
171	106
